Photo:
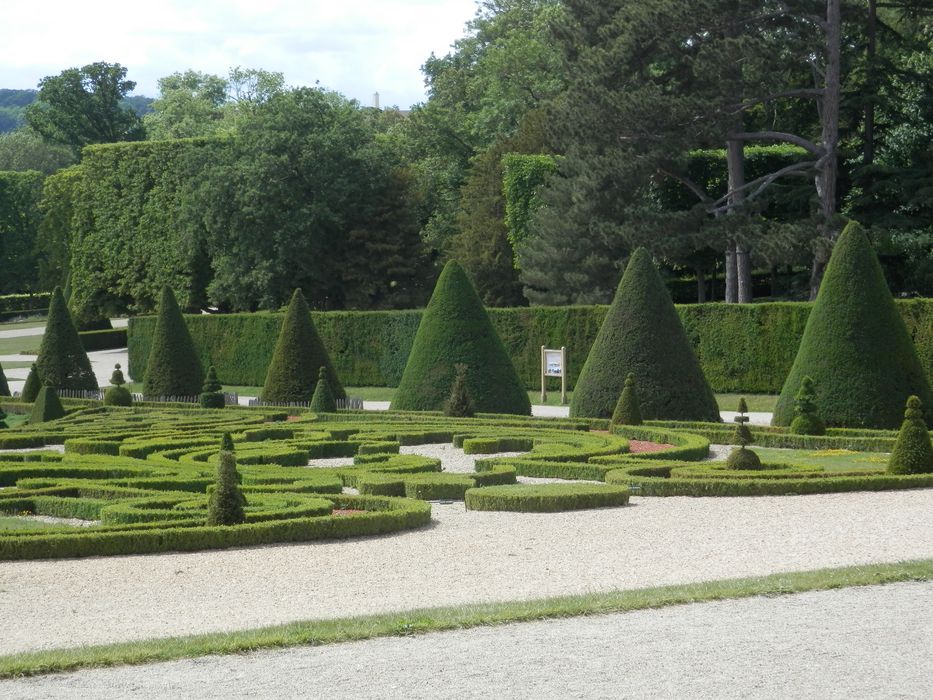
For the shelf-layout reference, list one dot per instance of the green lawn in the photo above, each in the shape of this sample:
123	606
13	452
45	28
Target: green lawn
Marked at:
13	523
14	419
16	365
757	403
830	460
27	345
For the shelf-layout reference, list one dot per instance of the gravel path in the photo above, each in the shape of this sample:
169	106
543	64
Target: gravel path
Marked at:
463	557
857	642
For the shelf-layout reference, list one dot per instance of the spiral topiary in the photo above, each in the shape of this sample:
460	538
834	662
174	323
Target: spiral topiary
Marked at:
323	400
211	394
117	395
742	457
628	410
807	421
225	500
912	453
460	404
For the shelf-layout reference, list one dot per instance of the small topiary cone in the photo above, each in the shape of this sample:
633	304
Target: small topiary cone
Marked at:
47	406
912	453
32	385
806	421
628	410
743	406
323	400
460	404
211	394
3	419
225	500
4	385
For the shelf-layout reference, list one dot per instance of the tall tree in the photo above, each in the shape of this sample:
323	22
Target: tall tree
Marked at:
81	106
189	104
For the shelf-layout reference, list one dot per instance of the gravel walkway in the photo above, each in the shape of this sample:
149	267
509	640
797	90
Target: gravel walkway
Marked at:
857	642
463	557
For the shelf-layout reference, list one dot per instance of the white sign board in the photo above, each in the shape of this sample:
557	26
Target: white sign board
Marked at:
553	363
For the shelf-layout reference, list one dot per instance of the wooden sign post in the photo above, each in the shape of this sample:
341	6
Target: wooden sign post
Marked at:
554	364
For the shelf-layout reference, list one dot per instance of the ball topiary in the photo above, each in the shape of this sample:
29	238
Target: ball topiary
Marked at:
117	394
323	400
47	406
806	421
455	328
62	361
211	394
855	345
174	368
4	385
460	404
299	354
912	453
743	458
31	386
225	500
642	334
628	410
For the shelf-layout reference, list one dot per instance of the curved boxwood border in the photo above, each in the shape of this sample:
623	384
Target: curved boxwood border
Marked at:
546	498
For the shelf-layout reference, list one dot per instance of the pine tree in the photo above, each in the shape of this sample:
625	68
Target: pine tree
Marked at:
299	354
913	452
117	394
174	368
62	361
642	334
855	346
455	329
628	410
211	394
323	400
806	421
225	501
47	406
460	405
31	386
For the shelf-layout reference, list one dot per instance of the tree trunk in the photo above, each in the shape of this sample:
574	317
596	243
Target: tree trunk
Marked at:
743	275
732	289
735	161
701	286
868	154
826	176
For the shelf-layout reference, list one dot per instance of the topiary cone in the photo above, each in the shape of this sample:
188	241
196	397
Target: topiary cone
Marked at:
4	385
299	354
628	409
211	394
806	419
855	345
47	406
31	386
460	404
455	328
912	453
323	400
642	334
225	501
174	368
62	361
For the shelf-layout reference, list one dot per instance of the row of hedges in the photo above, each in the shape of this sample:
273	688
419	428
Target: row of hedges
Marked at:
741	347
12	305
109	339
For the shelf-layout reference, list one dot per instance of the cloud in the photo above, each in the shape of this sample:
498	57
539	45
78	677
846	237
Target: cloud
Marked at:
356	47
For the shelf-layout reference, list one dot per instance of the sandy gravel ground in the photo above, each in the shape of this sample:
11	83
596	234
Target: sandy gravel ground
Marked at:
462	557
856	642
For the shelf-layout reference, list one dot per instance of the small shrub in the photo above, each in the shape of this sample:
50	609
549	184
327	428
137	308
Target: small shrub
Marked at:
211	395
742	458
806	421
913	453
225	500
31	386
628	411
460	404
47	406
117	394
323	400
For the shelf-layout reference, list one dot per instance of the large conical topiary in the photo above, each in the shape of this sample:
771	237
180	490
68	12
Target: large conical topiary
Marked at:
913	452
456	329
855	346
47	406
4	385
299	355
62	361
174	367
31	386
642	334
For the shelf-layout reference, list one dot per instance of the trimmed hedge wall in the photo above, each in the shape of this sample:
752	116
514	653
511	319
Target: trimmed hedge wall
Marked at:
110	339
546	498
741	347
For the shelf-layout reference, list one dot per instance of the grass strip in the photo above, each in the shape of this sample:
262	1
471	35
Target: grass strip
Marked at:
320	632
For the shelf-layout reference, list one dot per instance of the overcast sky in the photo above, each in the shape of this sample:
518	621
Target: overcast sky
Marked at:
356	47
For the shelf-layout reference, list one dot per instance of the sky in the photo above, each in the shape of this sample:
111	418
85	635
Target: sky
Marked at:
356	47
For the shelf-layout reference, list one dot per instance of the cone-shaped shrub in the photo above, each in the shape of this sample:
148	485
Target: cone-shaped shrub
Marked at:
299	355
174	368
3	419
642	335
913	453
460	403
117	394
742	407
225	501
855	346
31	386
62	361
211	394
47	406
807	420
226	442
456	329
628	410
4	385
323	400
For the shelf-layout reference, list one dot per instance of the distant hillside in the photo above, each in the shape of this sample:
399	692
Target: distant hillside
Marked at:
13	104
